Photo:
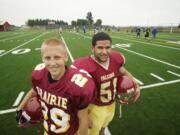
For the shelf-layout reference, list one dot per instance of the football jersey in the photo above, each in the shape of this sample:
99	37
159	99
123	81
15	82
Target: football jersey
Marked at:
105	78
61	100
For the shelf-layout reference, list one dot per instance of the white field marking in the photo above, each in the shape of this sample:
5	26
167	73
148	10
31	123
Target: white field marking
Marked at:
156	76
178	75
138	81
82	35
123	45
120	111
175	42
72	59
16	37
107	132
8	111
143	55
159	84
18	99
22	44
147	43
37	49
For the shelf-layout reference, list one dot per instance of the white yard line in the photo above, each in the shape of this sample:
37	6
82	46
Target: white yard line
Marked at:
70	55
138	81
156	76
154	59
22	44
159	84
23	35
178	75
8	111
146	43
82	35
18	99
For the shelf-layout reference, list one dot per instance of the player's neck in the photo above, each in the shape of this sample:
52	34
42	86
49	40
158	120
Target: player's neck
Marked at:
60	75
103	64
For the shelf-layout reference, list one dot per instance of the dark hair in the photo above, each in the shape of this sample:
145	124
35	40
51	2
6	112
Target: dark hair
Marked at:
100	36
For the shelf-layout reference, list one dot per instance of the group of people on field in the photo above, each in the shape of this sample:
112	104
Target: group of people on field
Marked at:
147	32
79	99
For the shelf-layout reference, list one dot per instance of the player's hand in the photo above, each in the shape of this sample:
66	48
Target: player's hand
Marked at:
129	98
21	119
136	94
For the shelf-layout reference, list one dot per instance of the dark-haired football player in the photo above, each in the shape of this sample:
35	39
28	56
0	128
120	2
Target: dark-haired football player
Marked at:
104	66
64	92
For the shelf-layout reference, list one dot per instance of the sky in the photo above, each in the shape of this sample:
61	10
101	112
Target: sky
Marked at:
111	12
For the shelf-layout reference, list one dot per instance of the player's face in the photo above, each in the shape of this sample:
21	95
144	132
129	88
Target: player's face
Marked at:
102	50
54	58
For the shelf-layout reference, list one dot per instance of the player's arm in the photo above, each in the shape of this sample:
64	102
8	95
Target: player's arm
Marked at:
123	71
31	93
19	112
83	121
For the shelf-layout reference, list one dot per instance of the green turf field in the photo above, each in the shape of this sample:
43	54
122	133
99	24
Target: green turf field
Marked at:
155	63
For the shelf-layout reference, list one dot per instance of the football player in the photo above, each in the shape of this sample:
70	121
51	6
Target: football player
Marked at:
64	92
104	66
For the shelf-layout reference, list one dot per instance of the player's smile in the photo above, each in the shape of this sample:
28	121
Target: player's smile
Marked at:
54	59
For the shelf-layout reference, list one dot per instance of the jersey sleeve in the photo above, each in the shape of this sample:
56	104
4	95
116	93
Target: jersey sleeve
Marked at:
118	58
37	75
87	94
34	80
83	63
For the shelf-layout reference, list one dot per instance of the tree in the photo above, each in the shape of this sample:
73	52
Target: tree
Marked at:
82	22
98	22
179	25
89	18
73	23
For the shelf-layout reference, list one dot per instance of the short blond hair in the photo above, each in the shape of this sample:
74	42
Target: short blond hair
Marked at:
53	42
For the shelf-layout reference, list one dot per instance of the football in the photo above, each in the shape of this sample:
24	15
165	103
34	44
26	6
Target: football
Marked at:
125	85
32	110
125	89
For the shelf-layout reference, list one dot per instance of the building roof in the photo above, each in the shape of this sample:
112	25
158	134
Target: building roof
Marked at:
3	22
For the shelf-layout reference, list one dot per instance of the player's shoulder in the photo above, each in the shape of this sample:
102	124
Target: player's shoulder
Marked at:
115	54
39	71
81	61
117	57
85	63
80	82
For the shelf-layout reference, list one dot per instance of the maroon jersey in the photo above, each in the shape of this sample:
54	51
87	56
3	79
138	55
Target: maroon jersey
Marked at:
105	78
61	100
